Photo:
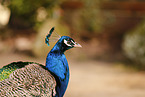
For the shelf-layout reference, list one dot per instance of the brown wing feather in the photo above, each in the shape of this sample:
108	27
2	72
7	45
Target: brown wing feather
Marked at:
29	81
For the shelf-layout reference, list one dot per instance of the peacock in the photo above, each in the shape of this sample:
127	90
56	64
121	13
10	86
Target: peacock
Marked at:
31	79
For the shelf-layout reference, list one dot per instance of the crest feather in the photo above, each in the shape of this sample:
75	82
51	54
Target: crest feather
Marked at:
48	36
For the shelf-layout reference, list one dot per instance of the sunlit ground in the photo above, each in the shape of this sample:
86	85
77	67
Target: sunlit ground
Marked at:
94	78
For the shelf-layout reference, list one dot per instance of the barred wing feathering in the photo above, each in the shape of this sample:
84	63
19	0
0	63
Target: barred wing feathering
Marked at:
29	81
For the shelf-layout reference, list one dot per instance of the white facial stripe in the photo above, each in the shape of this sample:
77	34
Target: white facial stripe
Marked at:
65	41
73	42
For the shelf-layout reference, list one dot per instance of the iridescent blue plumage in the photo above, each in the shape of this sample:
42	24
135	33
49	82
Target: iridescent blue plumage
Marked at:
30	79
56	62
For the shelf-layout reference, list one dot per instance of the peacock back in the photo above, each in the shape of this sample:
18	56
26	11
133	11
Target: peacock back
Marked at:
26	79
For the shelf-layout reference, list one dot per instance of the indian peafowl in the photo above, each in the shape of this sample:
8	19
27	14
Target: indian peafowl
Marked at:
30	79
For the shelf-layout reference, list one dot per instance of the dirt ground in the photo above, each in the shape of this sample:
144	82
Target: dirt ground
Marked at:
95	78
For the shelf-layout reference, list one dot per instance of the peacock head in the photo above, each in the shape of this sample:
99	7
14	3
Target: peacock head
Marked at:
64	42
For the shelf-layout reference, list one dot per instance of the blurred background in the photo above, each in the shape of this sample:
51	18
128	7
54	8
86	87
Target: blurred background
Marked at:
112	33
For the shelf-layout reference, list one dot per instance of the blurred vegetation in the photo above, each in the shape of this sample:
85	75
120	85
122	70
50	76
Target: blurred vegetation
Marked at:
27	19
134	45
28	13
88	19
100	24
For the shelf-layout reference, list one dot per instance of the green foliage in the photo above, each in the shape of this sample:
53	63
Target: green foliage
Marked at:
89	17
24	12
134	45
23	7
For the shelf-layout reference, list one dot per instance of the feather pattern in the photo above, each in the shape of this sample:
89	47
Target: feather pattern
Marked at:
30	79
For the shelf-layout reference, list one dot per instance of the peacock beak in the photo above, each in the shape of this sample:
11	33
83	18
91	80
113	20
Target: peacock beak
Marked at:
77	45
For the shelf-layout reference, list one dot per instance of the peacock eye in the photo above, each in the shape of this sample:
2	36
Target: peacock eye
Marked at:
69	42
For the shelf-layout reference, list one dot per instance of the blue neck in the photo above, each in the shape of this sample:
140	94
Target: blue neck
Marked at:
56	63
